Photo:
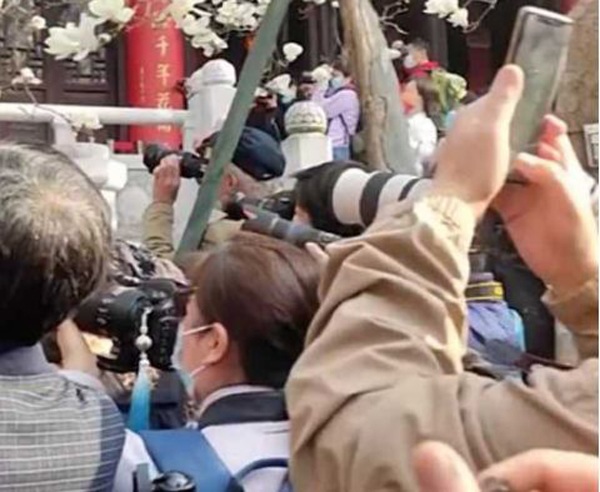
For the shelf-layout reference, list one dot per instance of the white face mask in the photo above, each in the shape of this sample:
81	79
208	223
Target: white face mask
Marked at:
409	62
187	378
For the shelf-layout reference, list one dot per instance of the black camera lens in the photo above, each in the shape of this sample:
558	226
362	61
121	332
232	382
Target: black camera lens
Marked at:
191	166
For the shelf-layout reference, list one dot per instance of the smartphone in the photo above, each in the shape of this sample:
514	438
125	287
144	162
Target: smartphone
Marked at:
539	45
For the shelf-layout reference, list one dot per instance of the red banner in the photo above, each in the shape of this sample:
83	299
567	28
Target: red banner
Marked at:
155	65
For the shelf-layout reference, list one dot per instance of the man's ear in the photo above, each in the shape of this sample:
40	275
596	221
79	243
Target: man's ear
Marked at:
216	344
229	182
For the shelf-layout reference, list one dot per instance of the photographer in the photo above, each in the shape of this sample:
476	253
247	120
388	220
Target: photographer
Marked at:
383	367
257	159
243	331
54	243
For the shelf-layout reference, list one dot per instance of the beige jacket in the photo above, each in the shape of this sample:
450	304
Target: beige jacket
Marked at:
158	229
382	369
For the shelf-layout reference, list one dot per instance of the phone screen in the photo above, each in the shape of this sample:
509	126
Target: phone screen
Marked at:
539	48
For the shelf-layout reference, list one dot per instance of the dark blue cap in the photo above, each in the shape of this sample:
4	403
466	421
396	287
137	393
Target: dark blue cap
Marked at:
258	154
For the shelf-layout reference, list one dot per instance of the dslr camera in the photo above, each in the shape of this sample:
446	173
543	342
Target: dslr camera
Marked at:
191	165
117	313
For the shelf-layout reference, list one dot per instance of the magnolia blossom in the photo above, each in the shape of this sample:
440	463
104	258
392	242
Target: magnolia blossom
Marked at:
235	14
441	8
26	77
202	36
37	22
459	18
282	85
179	10
84	121
279	83
291	51
74	41
322	74
111	10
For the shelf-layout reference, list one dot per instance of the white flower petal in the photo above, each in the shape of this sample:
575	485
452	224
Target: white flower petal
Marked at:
460	18
292	51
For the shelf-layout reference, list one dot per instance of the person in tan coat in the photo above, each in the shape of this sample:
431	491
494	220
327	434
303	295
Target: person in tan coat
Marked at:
382	370
257	159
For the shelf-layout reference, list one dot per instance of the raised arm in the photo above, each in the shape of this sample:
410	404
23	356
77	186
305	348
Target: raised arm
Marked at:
382	368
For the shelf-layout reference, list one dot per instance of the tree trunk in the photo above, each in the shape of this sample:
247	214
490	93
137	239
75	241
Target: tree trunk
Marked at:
578	98
385	127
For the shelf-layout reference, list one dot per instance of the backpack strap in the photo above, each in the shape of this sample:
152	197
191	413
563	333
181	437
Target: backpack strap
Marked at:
286	486
189	452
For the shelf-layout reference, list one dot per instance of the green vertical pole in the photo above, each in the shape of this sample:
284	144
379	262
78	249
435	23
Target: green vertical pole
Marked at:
264	45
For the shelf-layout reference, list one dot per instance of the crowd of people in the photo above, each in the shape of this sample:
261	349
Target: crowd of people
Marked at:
387	359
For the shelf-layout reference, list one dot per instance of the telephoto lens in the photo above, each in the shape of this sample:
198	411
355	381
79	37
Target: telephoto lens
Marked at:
357	196
270	224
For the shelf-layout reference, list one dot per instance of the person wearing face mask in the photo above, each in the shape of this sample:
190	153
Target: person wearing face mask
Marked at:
342	106
422	105
244	329
416	63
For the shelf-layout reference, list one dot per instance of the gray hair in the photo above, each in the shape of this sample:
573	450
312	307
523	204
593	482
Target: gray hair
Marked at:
54	240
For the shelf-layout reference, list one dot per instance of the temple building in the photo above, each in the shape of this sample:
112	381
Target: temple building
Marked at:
145	65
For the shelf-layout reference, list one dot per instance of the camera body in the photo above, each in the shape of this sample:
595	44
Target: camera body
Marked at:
191	166
117	313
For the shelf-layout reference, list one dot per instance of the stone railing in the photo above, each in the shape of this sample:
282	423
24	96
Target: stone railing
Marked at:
124	180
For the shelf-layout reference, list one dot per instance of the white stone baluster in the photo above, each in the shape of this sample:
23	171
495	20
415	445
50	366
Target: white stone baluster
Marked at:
211	92
109	175
307	144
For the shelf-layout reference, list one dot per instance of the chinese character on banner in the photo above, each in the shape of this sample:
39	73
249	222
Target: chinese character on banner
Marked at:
155	64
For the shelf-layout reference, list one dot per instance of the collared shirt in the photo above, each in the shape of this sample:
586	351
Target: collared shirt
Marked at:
52	426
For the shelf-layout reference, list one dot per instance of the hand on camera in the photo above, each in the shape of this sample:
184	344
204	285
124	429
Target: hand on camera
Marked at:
75	353
473	161
440	469
550	219
167	179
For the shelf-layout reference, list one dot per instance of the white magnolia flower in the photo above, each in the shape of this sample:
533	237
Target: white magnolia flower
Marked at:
322	74
441	8
26	77
282	85
237	15
193	26
335	4
316	2
202	35
74	41
179	10
104	38
111	10
84	121
37	22
459	18
292	51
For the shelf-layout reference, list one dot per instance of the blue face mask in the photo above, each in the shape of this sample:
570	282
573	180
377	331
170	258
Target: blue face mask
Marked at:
336	83
187	378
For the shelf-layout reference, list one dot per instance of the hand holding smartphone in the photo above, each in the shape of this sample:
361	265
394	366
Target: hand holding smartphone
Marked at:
539	45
